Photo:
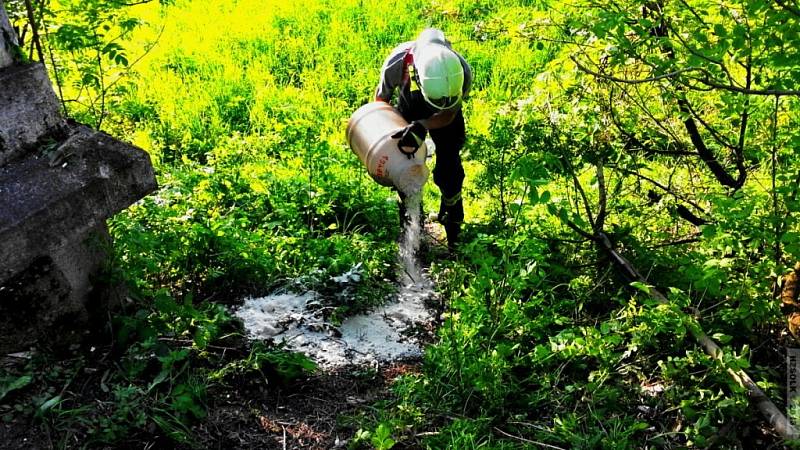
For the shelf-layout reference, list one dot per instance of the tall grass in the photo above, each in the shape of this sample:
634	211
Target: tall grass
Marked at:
243	106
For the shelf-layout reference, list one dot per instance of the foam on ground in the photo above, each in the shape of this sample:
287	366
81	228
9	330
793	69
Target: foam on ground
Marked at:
382	335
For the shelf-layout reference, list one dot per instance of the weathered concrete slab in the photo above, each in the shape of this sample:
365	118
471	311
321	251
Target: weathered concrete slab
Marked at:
49	201
29	109
59	182
8	39
51	302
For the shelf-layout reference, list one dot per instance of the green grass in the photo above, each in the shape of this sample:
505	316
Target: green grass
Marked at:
242	106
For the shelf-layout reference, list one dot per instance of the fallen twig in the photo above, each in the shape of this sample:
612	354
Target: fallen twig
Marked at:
527	441
427	433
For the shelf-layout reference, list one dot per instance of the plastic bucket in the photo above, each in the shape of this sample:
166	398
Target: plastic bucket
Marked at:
369	134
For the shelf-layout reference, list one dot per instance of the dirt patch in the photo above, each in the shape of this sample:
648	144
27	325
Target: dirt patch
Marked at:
249	411
315	413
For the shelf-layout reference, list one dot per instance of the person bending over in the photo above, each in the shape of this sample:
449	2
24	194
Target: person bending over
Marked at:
431	81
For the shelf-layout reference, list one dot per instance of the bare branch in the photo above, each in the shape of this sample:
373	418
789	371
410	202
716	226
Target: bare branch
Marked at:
739	150
580	231
35	29
694	13
636	81
706	154
603	197
140	2
684	213
584	198
130	66
660	186
689	240
660	123
774	160
748	91
702	56
706	80
711	130
791	8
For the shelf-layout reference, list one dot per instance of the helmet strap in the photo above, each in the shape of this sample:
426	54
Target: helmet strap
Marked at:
414	83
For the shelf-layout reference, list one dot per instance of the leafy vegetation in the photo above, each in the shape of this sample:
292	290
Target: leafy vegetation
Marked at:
669	128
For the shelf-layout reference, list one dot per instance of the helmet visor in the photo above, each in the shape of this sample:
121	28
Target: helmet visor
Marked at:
440	103
443	102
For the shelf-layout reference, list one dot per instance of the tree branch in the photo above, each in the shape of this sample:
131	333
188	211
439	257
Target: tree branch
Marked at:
580	231
748	91
141	2
700	55
791	8
706	80
684	213
694	13
659	185
705	153
634	81
739	150
660	123
633	140
774	160
584	198
774	416
711	130
602	197
689	240
35	30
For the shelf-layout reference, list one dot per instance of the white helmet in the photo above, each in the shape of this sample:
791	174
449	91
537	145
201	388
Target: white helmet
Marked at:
438	70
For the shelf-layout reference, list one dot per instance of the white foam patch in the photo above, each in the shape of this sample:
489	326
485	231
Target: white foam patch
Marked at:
385	334
382	335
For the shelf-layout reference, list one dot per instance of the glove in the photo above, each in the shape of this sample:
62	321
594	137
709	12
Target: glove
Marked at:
411	138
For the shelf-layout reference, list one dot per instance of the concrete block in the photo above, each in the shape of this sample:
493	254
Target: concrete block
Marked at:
50	303
29	110
53	236
49	201
8	39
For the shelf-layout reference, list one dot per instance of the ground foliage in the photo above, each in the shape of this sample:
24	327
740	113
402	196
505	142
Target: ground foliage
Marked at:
669	126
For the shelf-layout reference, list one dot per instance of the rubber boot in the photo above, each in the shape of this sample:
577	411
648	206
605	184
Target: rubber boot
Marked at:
453	230
451	217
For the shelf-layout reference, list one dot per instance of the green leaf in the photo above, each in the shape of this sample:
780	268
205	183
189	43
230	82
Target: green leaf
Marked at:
708	231
48	405
545	197
382	439
641	286
159	379
17	383
721	338
541	352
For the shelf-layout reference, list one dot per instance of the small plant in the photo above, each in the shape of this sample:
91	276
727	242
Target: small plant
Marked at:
379	439
271	363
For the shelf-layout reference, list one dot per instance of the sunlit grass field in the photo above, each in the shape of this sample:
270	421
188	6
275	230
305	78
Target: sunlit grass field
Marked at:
242	106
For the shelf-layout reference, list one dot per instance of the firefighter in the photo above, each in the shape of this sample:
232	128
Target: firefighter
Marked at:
431	81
